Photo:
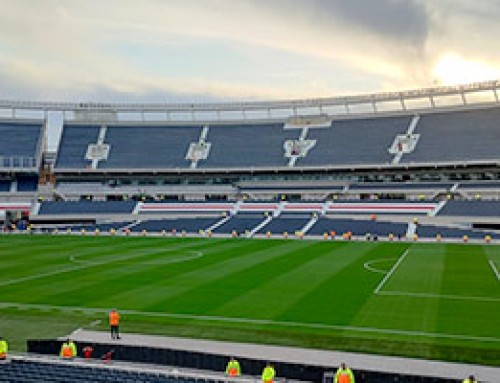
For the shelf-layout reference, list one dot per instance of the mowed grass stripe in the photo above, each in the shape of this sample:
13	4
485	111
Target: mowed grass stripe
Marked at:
253	254
56	259
281	288
235	283
109	271
338	298
148	285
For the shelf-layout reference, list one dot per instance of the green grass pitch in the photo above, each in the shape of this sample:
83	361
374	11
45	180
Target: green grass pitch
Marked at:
425	300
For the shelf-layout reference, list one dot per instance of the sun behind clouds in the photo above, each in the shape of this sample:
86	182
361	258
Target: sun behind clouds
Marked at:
452	69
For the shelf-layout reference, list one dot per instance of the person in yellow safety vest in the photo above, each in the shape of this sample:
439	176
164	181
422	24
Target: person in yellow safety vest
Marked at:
268	373
233	367
344	375
4	348
68	350
470	379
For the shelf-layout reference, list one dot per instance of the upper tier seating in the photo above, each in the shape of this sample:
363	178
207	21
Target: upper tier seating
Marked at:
86	207
458	136
20	144
73	145
455	136
148	147
360	141
471	208
248	146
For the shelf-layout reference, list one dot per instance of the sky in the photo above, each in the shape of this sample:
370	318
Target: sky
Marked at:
220	50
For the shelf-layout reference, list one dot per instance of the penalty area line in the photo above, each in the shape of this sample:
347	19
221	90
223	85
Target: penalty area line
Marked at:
267	322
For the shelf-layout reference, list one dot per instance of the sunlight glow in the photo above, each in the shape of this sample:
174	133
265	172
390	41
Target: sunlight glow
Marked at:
452	69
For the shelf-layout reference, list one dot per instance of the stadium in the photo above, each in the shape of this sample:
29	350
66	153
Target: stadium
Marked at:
351	227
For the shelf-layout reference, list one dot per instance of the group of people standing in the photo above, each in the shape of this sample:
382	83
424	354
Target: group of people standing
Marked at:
233	369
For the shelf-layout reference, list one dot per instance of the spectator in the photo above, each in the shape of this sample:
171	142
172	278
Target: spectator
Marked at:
344	375
68	350
87	352
233	367
470	379
268	373
4	348
114	324
108	356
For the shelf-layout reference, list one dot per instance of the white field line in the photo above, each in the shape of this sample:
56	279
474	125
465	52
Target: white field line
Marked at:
84	265
368	265
440	296
391	271
266	322
495	270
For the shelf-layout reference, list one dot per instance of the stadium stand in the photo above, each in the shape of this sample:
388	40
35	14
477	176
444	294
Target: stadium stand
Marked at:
190	225
149	147
21	144
289	223
86	207
431	231
240	223
356	141
5	185
457	137
73	145
481	208
357	227
248	146
25	371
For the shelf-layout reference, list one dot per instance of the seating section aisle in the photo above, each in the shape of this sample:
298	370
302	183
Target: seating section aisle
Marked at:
459	136
149	147
360	141
86	207
248	146
241	223
31	372
286	222
75	140
357	227
471	208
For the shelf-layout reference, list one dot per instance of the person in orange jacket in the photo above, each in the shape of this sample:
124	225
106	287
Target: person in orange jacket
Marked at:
114	324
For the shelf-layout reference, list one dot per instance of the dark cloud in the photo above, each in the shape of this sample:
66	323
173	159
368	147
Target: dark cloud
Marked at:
400	20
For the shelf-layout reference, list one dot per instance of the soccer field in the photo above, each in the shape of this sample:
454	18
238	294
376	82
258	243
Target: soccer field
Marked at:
427	300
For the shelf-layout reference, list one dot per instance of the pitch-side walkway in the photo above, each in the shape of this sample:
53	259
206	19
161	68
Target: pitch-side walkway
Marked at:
312	357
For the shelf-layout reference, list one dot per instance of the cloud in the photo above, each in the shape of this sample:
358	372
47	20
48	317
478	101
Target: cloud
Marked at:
221	49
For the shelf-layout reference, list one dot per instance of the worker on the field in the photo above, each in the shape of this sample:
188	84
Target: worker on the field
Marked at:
470	379
268	373
233	367
4	348
114	324
344	375
68	350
